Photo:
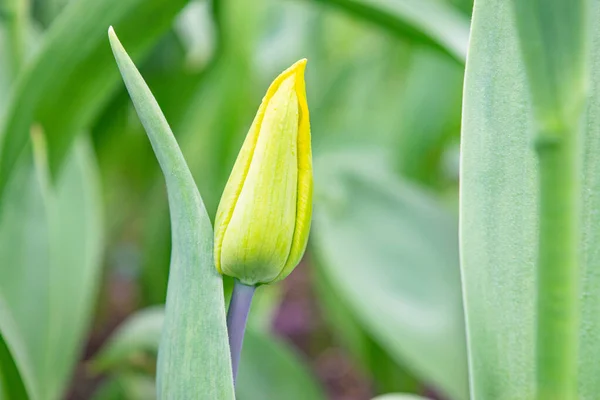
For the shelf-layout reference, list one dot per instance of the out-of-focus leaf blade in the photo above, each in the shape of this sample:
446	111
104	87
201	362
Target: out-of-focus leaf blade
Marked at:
194	354
137	336
370	357
50	245
17	379
127	386
391	253
71	76
430	22
399	396
269	370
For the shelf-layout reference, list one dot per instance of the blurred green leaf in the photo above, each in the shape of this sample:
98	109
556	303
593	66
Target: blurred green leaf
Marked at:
391	253
370	357
499	208
71	77
194	334
50	246
430	115
133	340
17	380
127	386
269	369
429	22
399	396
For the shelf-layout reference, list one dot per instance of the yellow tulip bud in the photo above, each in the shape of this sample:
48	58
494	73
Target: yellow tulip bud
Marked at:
263	219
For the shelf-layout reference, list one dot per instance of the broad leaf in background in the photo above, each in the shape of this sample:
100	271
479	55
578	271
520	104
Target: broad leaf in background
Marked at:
269	369
430	115
399	396
430	22
194	354
127	386
17	380
390	251
499	225
50	247
135	340
369	356
71	76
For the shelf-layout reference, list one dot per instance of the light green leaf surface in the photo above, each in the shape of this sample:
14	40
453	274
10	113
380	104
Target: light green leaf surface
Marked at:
50	246
194	354
499	213
434	23
71	76
390	252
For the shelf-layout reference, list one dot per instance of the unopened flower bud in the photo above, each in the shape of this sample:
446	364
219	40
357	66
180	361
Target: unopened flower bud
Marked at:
263	219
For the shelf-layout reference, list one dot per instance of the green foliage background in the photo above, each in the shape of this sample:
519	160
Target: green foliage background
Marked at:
83	205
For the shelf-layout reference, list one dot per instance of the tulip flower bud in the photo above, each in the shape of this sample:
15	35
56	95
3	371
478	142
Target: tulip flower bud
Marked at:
263	219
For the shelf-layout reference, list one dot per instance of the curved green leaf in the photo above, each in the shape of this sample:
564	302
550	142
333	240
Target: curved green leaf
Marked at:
71	76
50	247
17	380
194	354
390	252
430	22
138	336
399	396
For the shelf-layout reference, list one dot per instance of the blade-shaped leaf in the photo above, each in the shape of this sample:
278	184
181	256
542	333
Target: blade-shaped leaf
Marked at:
17	380
499	208
430	22
137	336
391	253
194	354
71	76
399	396
50	246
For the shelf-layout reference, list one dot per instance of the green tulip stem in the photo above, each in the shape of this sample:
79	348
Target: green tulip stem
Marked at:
237	316
557	269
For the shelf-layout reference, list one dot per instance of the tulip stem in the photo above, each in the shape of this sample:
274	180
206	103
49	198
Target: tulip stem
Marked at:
237	316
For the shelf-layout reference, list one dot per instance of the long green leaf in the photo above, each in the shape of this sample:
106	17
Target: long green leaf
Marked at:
17	380
399	397
71	76
194	354
390	251
50	246
499	208
430	22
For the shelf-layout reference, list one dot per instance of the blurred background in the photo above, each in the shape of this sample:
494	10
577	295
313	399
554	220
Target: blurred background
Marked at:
375	307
